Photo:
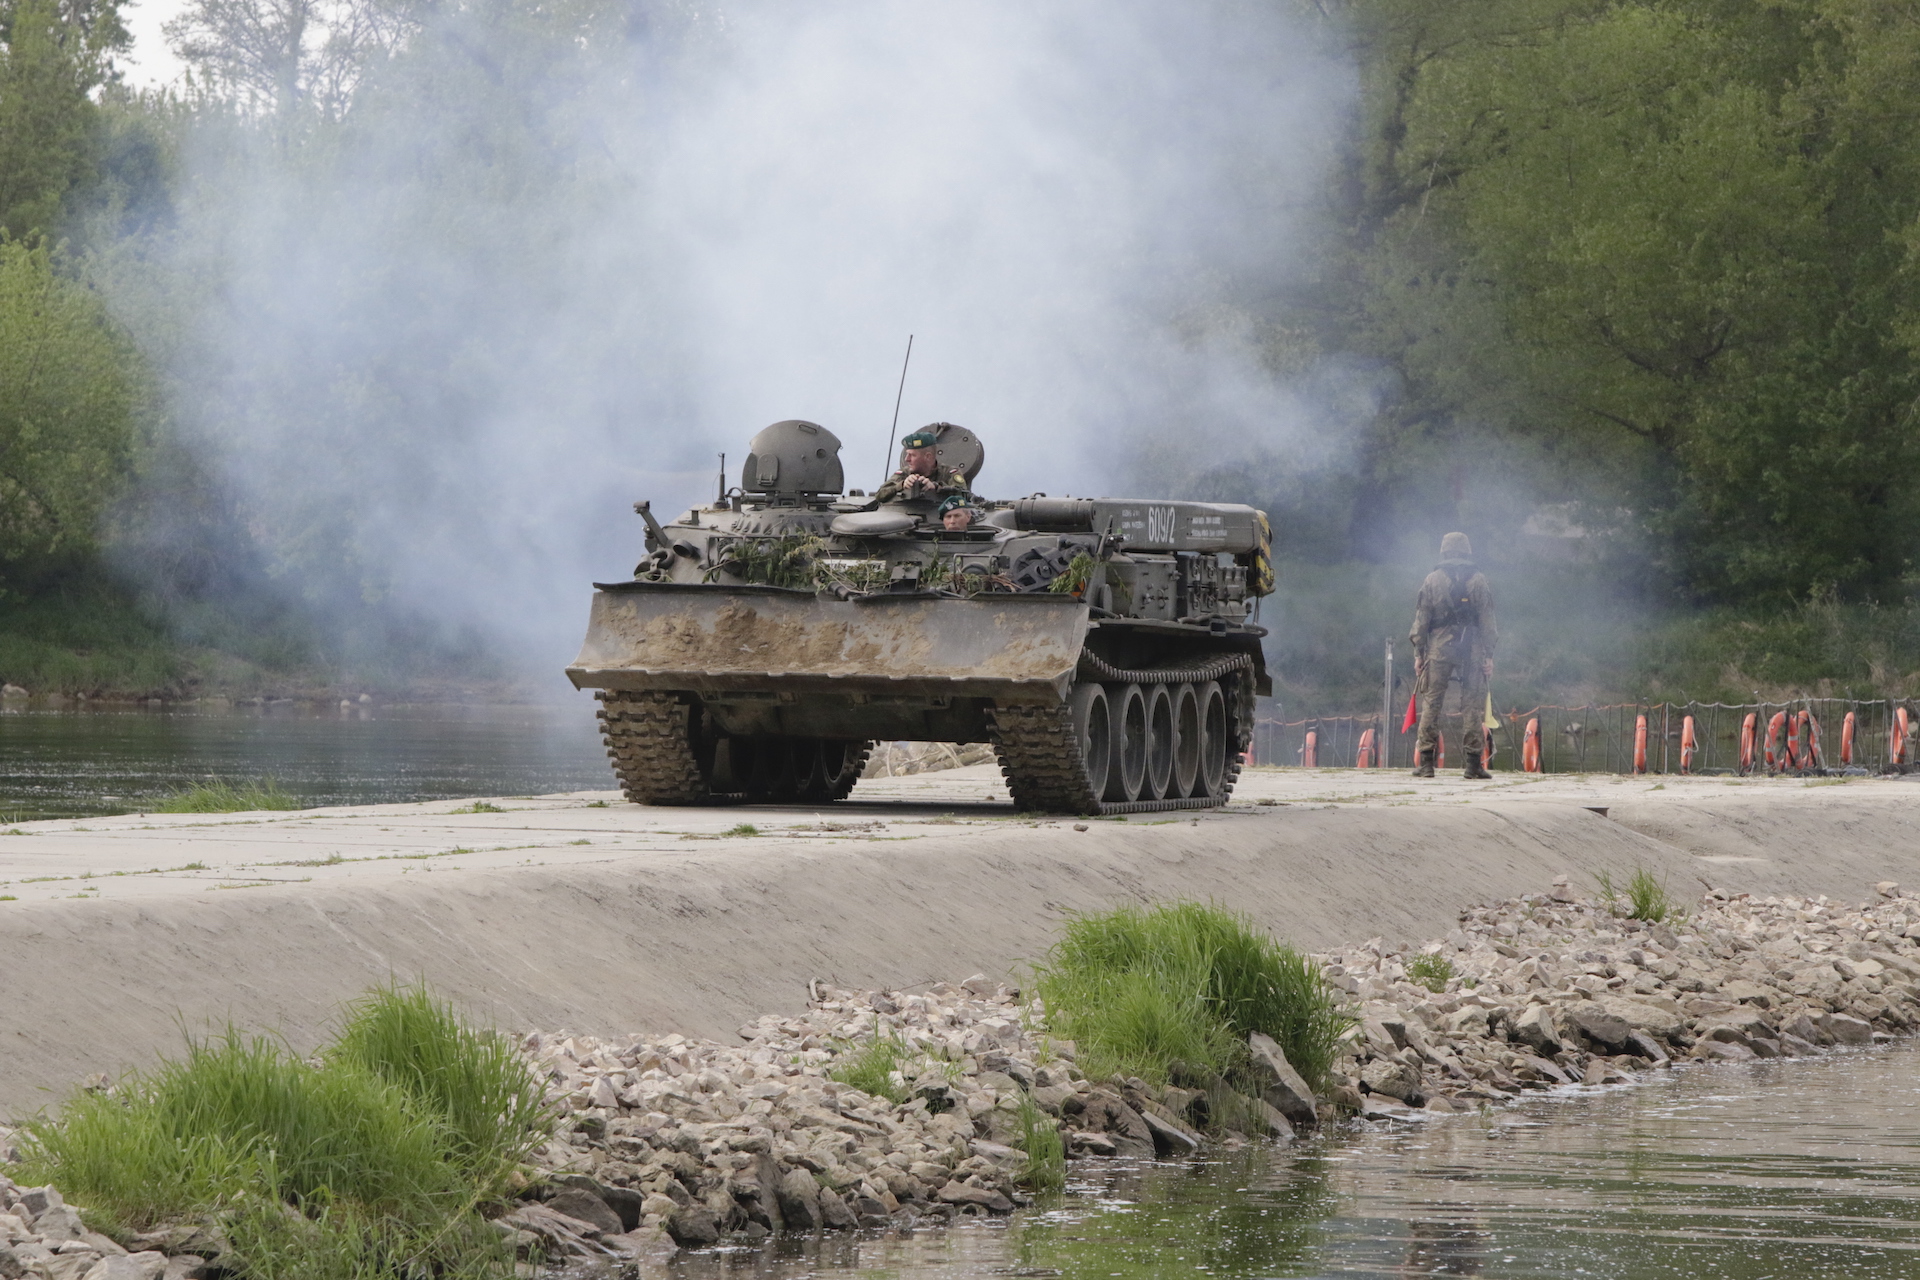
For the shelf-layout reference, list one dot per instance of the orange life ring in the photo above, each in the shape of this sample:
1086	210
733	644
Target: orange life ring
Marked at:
1363	755
1530	747
1439	750
1310	751
1689	745
1640	744
1897	748
1846	740
1810	754
1776	727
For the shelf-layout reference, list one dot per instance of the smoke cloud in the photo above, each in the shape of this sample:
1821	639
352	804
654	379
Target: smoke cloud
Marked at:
548	266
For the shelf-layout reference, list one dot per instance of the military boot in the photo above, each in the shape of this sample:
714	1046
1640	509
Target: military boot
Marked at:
1425	767
1476	770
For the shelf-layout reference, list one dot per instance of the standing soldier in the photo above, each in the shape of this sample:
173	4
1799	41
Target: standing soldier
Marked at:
1453	639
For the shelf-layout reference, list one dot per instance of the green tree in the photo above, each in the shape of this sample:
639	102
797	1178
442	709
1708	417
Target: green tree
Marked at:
53	55
1658	245
69	397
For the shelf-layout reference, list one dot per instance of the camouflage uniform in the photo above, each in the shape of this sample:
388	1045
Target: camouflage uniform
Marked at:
1453	635
946	481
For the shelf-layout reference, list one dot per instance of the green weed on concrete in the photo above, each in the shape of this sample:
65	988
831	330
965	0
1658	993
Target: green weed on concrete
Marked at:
1431	971
371	1160
1176	990
228	797
869	1067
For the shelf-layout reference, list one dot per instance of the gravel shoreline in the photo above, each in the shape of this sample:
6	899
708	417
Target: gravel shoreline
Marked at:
670	1143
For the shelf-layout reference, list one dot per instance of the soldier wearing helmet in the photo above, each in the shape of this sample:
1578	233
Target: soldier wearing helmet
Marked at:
921	474
1453	638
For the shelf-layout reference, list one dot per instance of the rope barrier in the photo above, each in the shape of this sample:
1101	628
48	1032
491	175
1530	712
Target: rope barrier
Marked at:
1736	739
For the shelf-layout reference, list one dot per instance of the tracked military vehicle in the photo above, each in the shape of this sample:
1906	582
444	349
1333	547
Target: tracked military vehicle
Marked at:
1107	648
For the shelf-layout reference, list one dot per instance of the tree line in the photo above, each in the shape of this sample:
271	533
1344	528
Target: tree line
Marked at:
1651	264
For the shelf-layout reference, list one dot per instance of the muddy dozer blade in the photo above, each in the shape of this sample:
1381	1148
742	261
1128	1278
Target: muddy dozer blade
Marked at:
713	639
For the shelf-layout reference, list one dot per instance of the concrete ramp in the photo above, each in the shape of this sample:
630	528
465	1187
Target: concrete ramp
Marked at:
587	913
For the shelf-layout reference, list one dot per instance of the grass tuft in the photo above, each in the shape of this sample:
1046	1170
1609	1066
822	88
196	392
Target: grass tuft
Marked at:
743	829
1148	992
869	1067
1046	1168
1430	971
227	797
371	1160
1647	897
478	806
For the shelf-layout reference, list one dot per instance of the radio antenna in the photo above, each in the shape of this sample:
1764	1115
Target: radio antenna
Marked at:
887	469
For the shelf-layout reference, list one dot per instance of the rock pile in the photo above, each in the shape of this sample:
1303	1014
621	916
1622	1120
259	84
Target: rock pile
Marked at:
679	1142
42	1237
1555	989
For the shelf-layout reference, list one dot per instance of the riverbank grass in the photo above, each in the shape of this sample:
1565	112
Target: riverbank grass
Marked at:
372	1159
228	797
1174	991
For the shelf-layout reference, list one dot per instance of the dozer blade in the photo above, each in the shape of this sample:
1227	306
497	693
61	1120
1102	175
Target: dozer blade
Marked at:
722	639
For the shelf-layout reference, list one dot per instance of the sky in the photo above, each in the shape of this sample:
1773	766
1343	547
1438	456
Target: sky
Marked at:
150	64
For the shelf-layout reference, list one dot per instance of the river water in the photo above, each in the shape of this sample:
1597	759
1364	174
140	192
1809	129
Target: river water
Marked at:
81	763
1774	1171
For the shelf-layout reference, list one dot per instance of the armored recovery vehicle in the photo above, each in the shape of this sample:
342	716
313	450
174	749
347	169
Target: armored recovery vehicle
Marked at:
1107	648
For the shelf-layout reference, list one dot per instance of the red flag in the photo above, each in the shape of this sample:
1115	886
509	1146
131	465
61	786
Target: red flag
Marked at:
1413	717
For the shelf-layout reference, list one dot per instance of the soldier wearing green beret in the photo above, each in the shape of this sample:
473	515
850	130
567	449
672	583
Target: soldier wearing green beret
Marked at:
920	474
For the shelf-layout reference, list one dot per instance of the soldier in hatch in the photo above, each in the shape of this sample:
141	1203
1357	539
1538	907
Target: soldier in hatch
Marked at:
957	513
1453	640
920	474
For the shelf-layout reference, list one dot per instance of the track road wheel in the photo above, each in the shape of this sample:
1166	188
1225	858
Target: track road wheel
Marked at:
1160	744
1093	727
1128	772
1186	741
1214	744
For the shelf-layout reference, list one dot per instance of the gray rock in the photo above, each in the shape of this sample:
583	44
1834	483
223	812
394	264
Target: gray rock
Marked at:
1645	1015
1795	1047
59	1223
799	1197
626	1202
693	1225
1281	1087
584	1206
1592	1020
1536	1029
37	1200
130	1266
1722	1051
1095	1144
1393	1079
1646	1047
1169	1139
1277	1125
1804	1028
834	1211
11	1267
1054	1099
1843	1029
959	1193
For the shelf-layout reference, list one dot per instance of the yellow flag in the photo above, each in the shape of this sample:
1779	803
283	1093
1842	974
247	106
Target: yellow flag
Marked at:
1492	721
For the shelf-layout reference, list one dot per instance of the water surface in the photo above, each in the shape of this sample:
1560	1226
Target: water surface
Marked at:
80	763
1784	1170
